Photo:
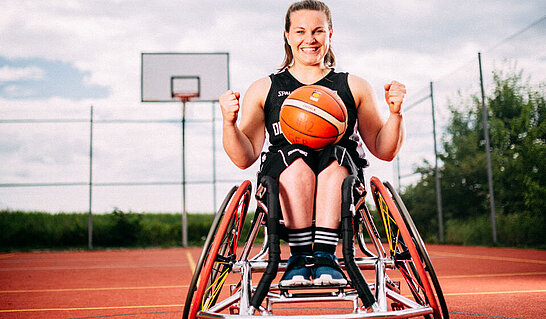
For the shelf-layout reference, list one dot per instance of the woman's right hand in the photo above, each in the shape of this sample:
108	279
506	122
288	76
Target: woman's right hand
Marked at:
229	103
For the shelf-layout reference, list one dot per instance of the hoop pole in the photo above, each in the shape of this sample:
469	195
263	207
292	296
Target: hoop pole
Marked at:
214	156
90	217
183	182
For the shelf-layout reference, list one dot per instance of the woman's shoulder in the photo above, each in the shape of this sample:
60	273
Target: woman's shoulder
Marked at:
362	89
261	85
258	90
357	81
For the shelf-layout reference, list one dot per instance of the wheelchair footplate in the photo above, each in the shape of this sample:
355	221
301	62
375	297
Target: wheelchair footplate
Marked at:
313	293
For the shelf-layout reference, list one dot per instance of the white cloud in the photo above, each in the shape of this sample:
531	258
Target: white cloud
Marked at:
9	73
16	91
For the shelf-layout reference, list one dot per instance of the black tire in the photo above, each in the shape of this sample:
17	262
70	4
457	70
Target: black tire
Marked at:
218	254
420	245
403	250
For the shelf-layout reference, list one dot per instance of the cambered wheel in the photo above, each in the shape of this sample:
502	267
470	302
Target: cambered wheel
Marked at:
403	249
219	252
420	245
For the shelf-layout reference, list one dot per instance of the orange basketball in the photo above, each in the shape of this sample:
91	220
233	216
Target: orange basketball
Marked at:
314	116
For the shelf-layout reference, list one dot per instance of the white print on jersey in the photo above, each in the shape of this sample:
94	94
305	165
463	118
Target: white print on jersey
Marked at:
283	93
277	128
302	152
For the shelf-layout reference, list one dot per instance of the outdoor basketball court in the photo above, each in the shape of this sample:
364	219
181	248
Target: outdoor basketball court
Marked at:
152	283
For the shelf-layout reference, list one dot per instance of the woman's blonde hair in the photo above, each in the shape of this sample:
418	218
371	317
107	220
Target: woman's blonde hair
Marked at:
329	59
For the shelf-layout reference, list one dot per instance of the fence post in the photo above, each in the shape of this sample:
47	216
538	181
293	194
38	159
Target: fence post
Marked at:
437	171
214	156
90	221
488	155
397	173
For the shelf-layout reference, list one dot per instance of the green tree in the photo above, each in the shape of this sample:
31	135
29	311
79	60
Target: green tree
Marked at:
517	128
518	136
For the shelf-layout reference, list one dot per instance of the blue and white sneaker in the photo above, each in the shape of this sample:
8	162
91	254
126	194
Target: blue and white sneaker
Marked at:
327	270
297	273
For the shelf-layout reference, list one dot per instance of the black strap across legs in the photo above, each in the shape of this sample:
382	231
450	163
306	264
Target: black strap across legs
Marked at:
273	228
353	271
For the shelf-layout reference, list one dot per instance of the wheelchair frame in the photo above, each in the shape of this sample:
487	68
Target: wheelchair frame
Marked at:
406	253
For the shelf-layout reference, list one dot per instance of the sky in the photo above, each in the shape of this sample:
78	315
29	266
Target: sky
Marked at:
57	58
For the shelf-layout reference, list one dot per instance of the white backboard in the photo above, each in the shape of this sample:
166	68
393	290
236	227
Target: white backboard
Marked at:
163	74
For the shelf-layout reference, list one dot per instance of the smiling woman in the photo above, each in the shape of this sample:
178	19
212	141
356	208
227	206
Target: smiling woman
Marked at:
310	180
321	31
38	78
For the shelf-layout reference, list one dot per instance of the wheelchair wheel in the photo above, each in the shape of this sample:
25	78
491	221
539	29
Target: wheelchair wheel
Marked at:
420	245
204	253
403	250
219	252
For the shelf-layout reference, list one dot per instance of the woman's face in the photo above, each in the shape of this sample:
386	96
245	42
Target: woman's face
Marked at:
309	36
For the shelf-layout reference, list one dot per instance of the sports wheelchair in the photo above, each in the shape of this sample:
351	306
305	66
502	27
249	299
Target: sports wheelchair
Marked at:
405	284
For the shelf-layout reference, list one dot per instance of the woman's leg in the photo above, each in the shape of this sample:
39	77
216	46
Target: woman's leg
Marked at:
328	196
327	221
297	194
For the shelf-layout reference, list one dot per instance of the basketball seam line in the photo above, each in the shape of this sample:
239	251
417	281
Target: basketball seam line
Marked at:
309	135
320	112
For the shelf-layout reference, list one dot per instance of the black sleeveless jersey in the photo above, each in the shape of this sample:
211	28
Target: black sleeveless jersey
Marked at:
283	83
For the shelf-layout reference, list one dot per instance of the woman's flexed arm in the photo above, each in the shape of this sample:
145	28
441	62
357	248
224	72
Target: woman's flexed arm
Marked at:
243	142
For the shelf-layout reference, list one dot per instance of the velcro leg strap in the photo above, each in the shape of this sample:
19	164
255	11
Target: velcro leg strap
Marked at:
273	214
358	281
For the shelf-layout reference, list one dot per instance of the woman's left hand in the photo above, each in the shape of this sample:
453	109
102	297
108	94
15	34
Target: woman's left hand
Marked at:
394	95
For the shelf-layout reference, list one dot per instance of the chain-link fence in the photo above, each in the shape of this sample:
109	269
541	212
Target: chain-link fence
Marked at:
428	109
102	162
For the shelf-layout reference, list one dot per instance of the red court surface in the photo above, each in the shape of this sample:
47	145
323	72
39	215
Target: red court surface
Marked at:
152	283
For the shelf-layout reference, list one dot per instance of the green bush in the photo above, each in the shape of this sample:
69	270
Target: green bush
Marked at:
513	230
38	230
522	230
472	231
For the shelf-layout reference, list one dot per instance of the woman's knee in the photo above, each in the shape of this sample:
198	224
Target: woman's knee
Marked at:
297	173
333	174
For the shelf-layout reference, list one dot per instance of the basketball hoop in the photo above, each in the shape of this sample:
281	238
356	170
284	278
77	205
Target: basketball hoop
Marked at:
184	77
185	96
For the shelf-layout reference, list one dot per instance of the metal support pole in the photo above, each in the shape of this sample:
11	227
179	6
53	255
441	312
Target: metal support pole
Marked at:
184	215
488	155
214	156
90	221
437	172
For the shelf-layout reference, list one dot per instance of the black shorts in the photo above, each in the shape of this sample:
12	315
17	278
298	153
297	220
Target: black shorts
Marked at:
273	163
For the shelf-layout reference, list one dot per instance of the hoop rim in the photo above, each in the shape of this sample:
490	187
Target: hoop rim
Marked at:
185	96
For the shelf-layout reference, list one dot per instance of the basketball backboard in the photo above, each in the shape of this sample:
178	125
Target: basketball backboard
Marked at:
203	76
